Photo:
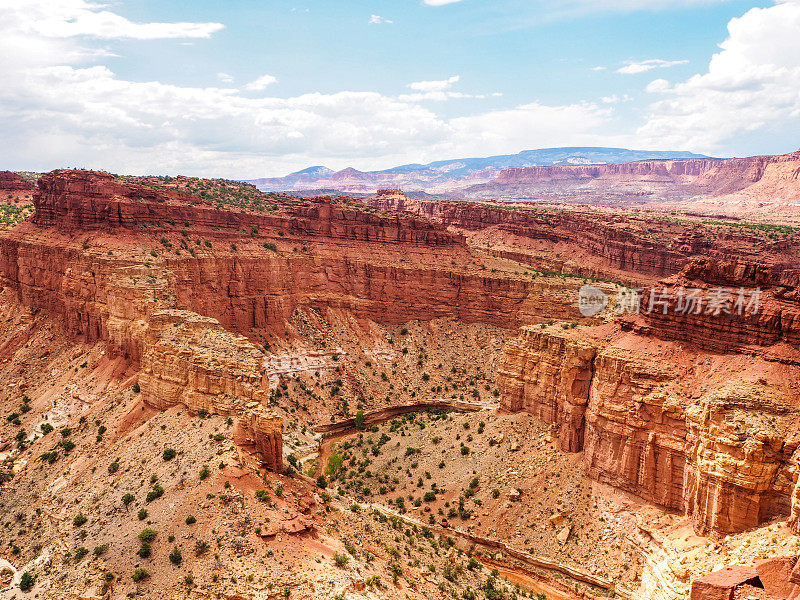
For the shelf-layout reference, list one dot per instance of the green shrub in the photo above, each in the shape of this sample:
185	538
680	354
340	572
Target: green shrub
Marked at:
169	454
79	520
205	472
175	557
200	547
191	520
155	493
359	420
147	535
145	550
142	514
140	574
80	553
26	581
340	560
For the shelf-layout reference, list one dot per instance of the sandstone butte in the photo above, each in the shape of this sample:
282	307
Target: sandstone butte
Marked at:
696	414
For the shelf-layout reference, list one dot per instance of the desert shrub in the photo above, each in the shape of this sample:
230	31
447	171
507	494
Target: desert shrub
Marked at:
26	581
79	520
359	420
140	574
155	493
200	547
340	560
168	454
175	557
147	535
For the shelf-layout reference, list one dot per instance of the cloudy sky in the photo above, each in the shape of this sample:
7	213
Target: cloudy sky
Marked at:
248	88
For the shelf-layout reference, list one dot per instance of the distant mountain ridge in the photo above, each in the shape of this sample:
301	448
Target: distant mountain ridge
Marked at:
449	176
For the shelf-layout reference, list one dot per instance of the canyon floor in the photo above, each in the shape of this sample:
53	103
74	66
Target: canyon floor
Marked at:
213	392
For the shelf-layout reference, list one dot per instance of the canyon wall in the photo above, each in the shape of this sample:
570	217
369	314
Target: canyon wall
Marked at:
726	458
10	181
193	361
722	449
621	247
86	200
107	296
740	307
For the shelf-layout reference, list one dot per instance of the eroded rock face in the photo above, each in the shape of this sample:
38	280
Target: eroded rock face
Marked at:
615	246
191	360
549	376
738	459
775	317
725	458
10	181
85	200
647	180
635	429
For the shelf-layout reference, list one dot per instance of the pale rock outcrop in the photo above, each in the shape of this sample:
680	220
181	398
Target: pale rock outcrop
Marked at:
191	360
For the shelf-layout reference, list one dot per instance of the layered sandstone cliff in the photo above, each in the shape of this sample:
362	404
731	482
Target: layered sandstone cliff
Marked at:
726	306
10	181
85	200
725	457
193	361
427	273
622	247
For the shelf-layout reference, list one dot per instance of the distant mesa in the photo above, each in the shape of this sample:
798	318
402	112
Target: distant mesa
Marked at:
449	176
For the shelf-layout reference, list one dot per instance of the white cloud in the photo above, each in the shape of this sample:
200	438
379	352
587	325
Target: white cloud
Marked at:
378	20
439	2
615	99
58	111
71	18
434	86
260	83
224	77
438	91
752	85
598	68
634	67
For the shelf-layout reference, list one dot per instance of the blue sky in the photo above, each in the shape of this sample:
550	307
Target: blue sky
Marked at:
253	88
